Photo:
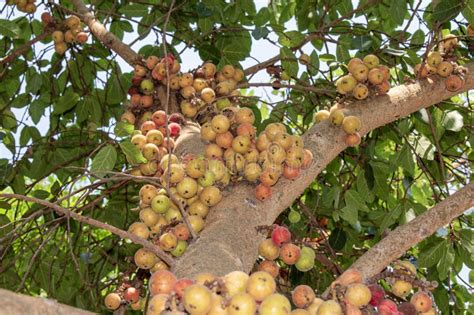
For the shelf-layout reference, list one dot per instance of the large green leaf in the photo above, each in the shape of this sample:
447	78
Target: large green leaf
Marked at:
432	253
104	161
132	153
10	29
67	101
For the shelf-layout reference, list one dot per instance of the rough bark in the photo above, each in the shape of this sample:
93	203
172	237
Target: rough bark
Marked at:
229	241
104	36
19	304
404	237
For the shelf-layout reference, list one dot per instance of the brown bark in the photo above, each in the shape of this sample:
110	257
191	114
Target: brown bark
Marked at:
104	36
404	237
229	241
19	304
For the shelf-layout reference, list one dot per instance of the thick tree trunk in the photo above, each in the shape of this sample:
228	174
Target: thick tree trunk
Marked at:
230	240
19	304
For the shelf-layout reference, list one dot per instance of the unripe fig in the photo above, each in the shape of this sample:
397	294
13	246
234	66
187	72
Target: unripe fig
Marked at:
210	196
204	278
198	208
405	266
139	229
450	41
112	301
162	282
376	76
302	296
242	304
218	305
336	117
149	217
260	285
180	285
361	72
291	173
157	304
351	124
58	37
60	48
209	70
197	223
401	288
268	249
144	259
147	126
199	84
82	37
228	71
160	203
290	253
329	307
188	92
220	124
275	304
187	188
307	158
434	59
445	68
208	95
197	299
346	84
358	294
321	116
371	61
421	301
245	115
179	249
269	266
361	91
236	282
313	307
168	241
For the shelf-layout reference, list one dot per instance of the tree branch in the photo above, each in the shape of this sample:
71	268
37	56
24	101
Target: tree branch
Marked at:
106	37
230	240
406	236
112	229
13	303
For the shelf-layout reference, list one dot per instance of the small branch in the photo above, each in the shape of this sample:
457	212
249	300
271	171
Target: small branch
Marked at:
23	49
106	37
112	229
404	237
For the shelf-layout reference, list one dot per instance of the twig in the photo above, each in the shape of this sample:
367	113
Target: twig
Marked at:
112	229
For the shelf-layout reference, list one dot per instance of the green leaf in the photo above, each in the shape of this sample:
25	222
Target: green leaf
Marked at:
337	239
354	199
398	10
262	17
260	32
134	10
390	218
67	101
446	261
431	253
291	39
9	29
132	153
453	121
446	10
418	38
104	161
361	42
289	62
234	52
424	148
349	214
468	11
123	129
363	188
